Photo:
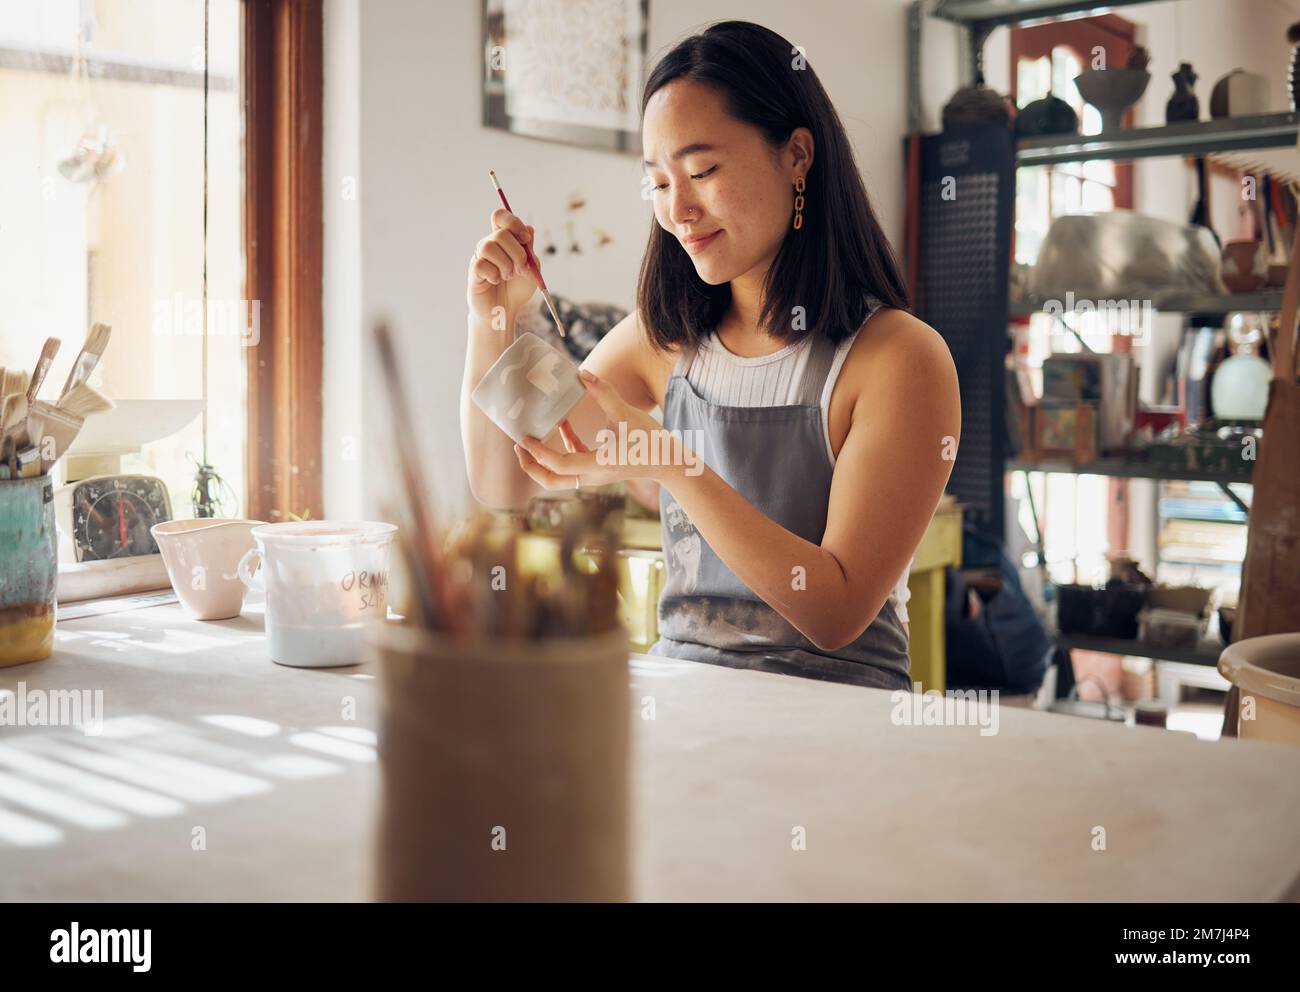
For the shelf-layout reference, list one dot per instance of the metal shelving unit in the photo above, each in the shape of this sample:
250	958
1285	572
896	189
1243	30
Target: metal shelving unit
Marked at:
1137	649
1179	301
1191	138
1204	138
980	17
996	13
1127	470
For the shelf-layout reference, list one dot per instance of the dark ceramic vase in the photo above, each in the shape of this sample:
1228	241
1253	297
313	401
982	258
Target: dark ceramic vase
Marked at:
1183	105
1050	115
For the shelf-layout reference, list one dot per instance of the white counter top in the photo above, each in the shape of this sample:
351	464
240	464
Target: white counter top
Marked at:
201	730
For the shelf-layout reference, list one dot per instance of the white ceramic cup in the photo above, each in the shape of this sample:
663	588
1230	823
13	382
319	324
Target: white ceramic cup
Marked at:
324	582
202	558
529	389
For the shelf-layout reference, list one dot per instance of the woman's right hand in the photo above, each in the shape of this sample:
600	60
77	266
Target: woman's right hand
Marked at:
498	271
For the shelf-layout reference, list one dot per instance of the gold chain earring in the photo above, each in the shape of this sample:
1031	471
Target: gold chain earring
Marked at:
798	202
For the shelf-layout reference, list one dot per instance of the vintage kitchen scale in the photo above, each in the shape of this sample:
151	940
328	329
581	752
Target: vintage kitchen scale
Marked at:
104	515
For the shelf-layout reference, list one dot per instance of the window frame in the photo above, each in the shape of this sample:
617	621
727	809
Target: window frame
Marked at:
282	62
1115	34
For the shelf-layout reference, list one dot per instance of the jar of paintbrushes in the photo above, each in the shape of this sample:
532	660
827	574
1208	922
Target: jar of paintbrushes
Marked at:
505	720
34	435
29	570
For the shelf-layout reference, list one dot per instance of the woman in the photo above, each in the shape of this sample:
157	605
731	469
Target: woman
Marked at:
813	419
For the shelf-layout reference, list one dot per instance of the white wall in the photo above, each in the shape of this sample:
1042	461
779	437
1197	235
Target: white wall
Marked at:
401	82
342	426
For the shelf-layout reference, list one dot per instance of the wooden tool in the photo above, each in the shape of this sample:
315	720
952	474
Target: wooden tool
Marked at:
88	357
533	264
42	368
13	381
83	400
13	411
29	463
13	418
46	423
426	566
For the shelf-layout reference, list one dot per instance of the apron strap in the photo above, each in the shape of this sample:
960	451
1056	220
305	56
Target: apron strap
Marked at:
685	359
821	357
822	361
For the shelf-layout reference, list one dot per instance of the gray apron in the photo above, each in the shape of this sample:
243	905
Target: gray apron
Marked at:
776	458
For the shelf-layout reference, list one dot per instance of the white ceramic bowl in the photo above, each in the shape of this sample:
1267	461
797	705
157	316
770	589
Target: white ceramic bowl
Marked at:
1266	671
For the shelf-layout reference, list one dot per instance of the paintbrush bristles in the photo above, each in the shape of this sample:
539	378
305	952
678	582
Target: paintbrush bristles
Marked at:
43	364
14	381
550	305
83	400
13	412
89	356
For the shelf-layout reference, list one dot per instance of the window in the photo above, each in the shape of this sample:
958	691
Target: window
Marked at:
1045	192
102	124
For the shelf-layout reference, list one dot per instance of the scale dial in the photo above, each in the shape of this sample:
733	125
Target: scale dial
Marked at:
112	514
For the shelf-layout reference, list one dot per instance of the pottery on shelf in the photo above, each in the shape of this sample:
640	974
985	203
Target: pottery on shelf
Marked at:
1293	69
1239	94
1183	105
1112	91
977	104
1239	387
1050	115
1245	269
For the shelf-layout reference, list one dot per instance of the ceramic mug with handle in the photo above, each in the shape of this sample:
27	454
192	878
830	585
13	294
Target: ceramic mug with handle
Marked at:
202	557
324	582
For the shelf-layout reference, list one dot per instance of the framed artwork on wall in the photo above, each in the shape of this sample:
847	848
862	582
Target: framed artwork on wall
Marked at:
566	70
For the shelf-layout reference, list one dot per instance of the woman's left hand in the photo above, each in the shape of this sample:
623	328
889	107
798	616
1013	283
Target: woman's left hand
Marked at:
611	461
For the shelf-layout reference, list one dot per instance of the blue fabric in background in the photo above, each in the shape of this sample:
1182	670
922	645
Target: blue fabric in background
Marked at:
1005	647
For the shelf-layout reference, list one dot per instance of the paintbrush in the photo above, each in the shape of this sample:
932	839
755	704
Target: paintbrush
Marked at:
54	432
427	577
28	462
34	428
13	410
83	400
88	357
415	606
533	264
470	555
13	416
42	368
13	381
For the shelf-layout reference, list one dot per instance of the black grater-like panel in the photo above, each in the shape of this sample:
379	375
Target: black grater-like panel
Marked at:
967	194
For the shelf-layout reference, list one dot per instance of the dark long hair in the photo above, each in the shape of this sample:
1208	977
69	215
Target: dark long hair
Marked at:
835	262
